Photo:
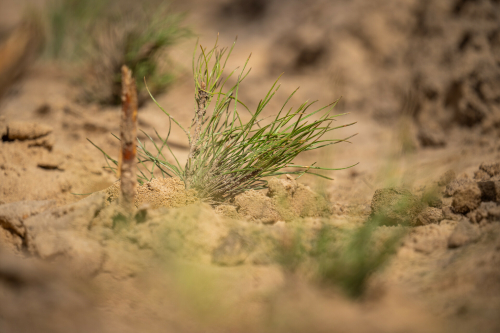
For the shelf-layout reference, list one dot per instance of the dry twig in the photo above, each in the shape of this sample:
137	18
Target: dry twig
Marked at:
128	135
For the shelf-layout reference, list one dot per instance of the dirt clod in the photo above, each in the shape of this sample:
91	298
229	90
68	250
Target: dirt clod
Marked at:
456	184
481	175
255	206
492	169
430	238
282	187
27	131
486	212
286	200
466	197
490	190
227	211
294	200
430	215
166	192
307	203
396	206
446	178
449	214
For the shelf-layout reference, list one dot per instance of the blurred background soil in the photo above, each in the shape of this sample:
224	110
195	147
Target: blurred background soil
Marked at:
420	78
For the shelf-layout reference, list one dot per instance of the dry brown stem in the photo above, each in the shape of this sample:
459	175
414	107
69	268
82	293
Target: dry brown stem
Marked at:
197	123
128	135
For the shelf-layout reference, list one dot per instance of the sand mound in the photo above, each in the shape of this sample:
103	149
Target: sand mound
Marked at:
165	192
285	200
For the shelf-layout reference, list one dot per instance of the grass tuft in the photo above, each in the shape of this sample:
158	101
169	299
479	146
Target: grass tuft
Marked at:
106	34
228	156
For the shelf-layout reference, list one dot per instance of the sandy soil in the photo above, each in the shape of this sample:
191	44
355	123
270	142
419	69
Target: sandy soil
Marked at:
422	81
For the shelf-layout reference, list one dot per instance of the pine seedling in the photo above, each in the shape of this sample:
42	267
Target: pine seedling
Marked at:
106	34
228	156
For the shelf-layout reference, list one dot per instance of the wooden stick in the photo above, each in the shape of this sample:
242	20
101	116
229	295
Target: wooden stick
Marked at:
128	134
